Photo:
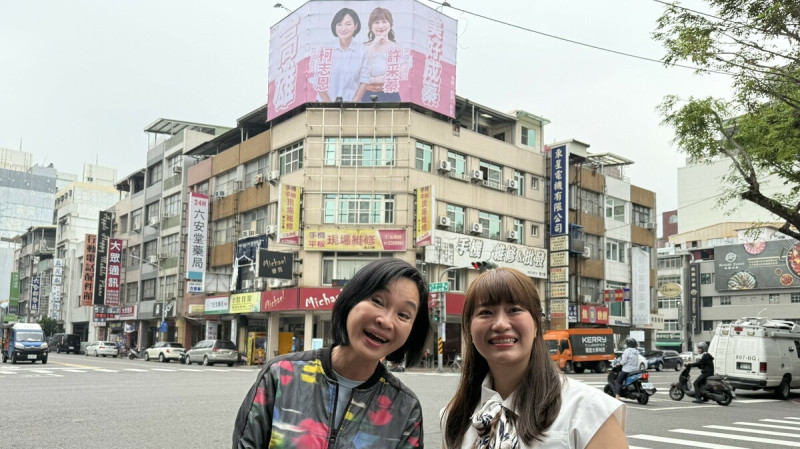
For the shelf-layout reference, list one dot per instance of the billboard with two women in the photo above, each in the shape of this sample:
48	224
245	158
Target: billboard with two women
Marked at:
363	51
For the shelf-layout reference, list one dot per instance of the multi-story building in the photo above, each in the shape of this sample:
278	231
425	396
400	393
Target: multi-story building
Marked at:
331	188
34	265
611	235
148	218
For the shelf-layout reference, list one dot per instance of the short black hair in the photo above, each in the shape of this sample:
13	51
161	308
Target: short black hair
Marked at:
377	275
340	16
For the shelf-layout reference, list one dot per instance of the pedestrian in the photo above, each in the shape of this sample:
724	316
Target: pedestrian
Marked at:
511	395
343	396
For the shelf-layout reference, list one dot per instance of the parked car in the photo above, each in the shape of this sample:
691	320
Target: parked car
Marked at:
65	343
164	351
664	359
209	352
642	360
104	348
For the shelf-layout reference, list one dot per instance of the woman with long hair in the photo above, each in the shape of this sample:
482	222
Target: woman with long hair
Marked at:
381	48
511	394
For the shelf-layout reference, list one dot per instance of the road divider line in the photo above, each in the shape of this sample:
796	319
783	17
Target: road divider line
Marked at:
758	431
690	443
163	370
74	370
770	426
136	370
778	421
736	437
8	372
41	371
103	370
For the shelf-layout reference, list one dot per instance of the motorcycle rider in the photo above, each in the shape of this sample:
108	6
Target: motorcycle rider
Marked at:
629	362
706	365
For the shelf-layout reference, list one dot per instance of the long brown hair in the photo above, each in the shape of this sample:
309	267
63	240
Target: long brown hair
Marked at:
537	396
380	14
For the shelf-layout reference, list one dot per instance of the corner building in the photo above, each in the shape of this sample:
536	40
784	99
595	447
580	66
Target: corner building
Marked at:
371	181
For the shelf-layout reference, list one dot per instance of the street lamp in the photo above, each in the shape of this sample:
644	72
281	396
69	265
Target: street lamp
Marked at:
157	265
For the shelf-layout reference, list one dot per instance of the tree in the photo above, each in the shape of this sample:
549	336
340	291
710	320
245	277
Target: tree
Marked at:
49	326
757	43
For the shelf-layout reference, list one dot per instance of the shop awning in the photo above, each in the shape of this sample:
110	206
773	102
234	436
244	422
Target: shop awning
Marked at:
669	343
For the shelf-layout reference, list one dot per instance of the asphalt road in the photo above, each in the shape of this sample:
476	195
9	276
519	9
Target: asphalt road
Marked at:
86	402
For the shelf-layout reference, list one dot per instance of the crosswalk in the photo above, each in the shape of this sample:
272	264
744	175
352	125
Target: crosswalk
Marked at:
67	371
759	434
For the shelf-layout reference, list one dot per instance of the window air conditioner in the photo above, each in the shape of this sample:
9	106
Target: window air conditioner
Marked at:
445	166
512	184
246	233
271	230
649	225
247	283
176	170
476	228
273	176
444	221
477	175
512	235
153	221
260	284
162	255
587	252
219	194
258	179
237	186
152	259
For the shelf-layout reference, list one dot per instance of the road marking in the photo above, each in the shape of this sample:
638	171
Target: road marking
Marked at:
103	370
165	370
755	401
41	371
791	417
73	370
8	372
777	421
684	442
190	370
759	431
136	370
771	426
736	437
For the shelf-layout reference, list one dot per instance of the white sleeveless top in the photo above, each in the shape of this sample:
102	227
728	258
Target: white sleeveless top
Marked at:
583	410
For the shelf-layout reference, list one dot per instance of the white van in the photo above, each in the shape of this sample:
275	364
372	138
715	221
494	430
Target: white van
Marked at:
758	353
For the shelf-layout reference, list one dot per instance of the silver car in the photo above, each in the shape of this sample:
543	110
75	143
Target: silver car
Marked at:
209	352
104	348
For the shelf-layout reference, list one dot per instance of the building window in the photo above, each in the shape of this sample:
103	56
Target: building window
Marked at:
149	289
342	266
661	280
534	230
456	280
223	231
669	262
491	224
150	249
360	151
724	300
641	215
171	245
424	157
459	164
708	325
706	278
590	290
172	205
151	213
520	178
456	215
519	226
492	174
795	298
668	303
255	167
131	293
671	325
154	173
291	158
534	182
774	298
615	209
359	209
588	202
256	220
528	137
174	163
169	289
203	188
615	250
123	227
224	182
594	244
706	300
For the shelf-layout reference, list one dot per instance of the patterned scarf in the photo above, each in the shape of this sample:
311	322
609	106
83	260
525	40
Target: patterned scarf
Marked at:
495	425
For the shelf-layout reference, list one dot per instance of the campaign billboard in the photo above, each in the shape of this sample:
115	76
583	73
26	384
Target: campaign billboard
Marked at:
363	51
757	265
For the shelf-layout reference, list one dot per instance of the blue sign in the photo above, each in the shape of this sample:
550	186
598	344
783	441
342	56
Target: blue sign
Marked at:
559	184
572	313
163	327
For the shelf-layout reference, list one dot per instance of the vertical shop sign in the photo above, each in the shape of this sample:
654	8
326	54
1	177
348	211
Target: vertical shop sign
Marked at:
196	242
101	260
113	275
87	284
289	206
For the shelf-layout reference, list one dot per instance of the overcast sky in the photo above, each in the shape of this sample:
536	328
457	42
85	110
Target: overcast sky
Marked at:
81	79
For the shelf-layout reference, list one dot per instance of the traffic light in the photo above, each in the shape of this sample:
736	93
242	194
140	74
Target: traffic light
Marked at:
483	265
435	314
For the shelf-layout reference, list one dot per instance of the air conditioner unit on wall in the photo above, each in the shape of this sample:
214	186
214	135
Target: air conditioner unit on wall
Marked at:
176	170
477	175
273	176
258	179
163	255
260	284
271	230
476	228
649	225
512	184
247	283
219	194
445	166
587	252
444	221
246	233
153	221
152	259
512	235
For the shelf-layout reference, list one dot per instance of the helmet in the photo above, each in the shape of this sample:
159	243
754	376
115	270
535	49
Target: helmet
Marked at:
631	342
703	345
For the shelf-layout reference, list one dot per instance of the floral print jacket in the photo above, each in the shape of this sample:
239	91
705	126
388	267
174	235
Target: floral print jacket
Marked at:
291	405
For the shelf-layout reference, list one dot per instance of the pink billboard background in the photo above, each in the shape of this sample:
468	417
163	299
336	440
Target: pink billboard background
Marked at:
307	62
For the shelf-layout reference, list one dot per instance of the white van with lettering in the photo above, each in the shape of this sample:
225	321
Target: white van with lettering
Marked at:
758	354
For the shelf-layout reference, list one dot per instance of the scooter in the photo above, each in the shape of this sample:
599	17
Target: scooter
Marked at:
134	354
635	386
717	388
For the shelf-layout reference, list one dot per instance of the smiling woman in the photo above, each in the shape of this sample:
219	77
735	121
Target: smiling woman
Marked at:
381	313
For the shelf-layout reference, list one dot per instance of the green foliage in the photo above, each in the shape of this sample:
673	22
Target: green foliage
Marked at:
50	326
757	43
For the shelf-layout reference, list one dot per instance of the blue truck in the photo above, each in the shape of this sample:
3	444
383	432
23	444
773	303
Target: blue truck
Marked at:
23	342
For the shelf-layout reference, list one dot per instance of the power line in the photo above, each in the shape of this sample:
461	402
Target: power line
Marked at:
571	41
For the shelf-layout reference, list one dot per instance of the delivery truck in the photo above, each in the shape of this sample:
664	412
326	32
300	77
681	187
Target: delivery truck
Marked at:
23	342
578	349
